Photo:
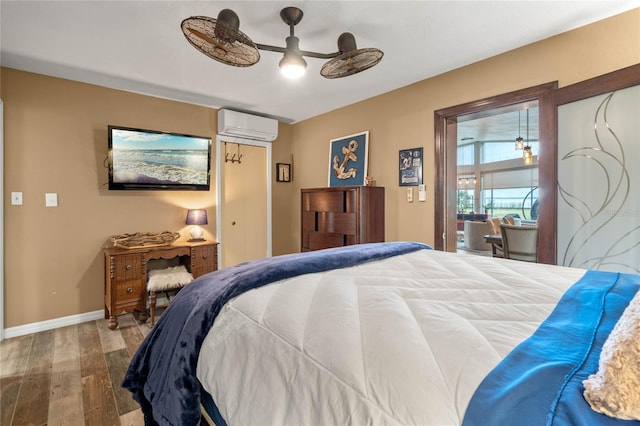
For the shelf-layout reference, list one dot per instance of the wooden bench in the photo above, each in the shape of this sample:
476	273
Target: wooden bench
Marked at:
164	280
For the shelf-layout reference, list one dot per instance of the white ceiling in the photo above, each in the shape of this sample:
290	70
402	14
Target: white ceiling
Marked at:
138	45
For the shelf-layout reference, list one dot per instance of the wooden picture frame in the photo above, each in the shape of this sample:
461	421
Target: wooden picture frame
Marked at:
348	160
283	172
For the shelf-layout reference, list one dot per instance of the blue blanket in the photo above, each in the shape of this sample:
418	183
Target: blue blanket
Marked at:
540	381
162	373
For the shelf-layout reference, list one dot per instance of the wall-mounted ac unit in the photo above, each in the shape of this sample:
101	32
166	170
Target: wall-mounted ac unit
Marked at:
242	125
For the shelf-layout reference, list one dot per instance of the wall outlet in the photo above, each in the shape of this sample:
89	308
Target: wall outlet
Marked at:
16	198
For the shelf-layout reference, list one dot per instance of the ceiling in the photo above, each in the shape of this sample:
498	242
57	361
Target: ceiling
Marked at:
503	124
138	46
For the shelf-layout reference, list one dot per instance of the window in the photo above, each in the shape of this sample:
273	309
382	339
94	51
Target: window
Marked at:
522	202
492	175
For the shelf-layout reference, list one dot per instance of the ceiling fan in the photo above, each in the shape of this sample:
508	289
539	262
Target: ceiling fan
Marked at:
222	40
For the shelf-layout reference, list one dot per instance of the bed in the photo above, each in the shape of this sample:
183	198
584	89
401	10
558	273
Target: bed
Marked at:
386	333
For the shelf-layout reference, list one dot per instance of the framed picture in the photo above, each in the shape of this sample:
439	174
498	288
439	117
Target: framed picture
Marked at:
410	167
283	172
348	158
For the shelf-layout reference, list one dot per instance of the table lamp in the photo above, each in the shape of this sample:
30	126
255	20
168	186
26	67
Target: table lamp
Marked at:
196	217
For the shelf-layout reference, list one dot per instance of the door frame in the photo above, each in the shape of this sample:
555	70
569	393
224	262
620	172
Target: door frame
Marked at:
219	159
445	123
2	220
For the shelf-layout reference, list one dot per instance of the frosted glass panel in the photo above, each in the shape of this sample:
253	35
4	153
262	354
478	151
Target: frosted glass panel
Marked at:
599	182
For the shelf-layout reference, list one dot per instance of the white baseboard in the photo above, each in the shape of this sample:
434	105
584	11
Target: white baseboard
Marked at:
35	327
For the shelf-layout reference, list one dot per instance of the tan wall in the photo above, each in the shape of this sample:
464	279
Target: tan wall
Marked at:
404	118
281	195
56	141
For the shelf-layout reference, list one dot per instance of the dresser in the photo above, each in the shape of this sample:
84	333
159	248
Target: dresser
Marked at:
341	216
125	283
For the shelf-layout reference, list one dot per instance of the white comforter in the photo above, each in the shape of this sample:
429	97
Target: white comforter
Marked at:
405	340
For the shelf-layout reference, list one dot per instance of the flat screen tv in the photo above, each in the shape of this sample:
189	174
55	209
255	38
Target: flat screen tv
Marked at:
152	160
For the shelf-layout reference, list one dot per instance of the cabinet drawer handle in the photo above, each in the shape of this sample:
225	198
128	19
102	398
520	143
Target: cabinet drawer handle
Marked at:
129	290
204	256
128	267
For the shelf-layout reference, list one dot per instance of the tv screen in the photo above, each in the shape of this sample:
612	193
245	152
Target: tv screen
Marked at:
152	160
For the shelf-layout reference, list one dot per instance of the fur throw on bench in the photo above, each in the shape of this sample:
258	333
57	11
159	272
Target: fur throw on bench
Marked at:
168	278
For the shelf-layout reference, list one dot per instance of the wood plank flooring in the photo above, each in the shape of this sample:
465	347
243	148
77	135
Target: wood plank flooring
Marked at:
70	376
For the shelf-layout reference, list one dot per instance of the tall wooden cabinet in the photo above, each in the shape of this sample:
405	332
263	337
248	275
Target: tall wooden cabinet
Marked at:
341	216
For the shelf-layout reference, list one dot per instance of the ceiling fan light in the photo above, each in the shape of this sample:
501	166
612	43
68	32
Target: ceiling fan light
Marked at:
292	65
292	70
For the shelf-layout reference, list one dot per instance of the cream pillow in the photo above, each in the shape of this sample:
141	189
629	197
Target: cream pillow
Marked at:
615	389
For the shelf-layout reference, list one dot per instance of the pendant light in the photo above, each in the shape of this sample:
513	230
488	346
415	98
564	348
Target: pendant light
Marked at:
527	155
519	140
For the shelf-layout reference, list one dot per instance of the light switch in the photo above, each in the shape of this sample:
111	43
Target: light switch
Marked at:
422	192
51	199
16	198
410	195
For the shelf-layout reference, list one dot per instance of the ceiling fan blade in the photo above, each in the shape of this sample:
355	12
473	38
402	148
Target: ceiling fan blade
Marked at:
349	63
220	41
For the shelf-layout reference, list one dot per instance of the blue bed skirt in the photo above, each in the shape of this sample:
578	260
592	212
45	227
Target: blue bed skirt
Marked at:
211	408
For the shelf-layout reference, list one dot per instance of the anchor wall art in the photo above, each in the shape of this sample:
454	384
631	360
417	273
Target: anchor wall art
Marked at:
348	158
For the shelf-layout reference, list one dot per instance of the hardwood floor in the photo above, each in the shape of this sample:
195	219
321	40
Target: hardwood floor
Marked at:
70	375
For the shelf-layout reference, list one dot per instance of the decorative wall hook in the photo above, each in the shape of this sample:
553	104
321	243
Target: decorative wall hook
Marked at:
234	158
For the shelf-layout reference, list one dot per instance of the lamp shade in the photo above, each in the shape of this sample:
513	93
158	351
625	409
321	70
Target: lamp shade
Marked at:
197	217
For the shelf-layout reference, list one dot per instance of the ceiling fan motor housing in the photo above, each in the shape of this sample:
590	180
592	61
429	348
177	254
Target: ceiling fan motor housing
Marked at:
347	43
227	20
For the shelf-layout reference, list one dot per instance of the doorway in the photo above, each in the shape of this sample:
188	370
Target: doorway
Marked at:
497	171
447	151
244	199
